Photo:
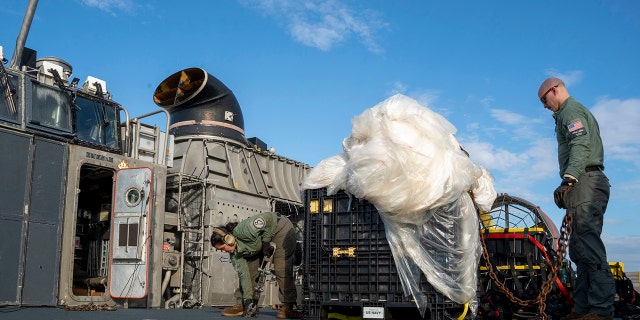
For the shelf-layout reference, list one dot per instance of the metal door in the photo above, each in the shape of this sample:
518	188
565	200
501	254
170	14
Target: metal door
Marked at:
130	234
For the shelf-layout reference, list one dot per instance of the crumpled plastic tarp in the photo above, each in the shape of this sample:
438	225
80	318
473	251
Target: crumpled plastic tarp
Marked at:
403	158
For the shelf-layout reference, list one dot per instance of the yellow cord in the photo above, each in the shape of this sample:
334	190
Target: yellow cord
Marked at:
464	312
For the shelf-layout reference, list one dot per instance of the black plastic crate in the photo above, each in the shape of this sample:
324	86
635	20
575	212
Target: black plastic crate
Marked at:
516	248
406	311
349	265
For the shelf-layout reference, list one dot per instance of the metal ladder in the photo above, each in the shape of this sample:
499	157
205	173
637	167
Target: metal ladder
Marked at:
150	144
104	259
145	141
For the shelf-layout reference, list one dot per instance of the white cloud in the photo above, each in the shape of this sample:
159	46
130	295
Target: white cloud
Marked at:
492	157
619	122
518	156
515	126
398	87
570	78
510	118
487	101
320	36
473	126
111	5
425	97
623	249
323	24
533	164
428	98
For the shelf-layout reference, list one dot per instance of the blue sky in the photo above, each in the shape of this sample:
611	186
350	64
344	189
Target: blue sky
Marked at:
302	70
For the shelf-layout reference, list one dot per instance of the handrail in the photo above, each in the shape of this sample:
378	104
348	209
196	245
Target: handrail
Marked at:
166	146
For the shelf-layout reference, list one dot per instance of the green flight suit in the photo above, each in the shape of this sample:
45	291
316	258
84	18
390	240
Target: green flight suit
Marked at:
581	155
250	233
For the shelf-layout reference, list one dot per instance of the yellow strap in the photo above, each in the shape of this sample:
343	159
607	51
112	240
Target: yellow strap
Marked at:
340	316
464	312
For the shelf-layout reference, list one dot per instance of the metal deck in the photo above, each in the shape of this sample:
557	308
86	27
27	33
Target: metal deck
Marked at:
52	313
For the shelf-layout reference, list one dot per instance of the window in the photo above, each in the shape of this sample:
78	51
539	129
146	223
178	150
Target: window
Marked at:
50	108
97	122
128	236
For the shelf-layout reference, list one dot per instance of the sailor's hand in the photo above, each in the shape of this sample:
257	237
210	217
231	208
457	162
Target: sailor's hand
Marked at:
560	195
267	249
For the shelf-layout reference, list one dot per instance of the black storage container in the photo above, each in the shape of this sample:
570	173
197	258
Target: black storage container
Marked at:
349	268
517	247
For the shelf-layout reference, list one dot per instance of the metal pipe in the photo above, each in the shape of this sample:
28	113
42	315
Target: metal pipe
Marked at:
22	36
165	281
200	105
172	303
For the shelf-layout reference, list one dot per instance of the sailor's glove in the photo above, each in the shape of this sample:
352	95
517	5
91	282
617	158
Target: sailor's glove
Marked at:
267	249
562	192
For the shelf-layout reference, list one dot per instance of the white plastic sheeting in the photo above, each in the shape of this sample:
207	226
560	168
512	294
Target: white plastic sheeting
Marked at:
403	158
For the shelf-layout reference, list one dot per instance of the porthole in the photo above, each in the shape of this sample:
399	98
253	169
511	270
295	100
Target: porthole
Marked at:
133	196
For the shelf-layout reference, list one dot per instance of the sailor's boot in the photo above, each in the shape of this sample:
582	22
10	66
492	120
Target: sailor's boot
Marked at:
235	311
284	312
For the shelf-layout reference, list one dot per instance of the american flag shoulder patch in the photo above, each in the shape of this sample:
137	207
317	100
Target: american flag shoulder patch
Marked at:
576	129
575	125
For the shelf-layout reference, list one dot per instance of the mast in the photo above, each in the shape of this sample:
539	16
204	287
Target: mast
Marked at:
24	31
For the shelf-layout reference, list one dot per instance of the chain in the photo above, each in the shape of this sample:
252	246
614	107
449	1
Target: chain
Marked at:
563	241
